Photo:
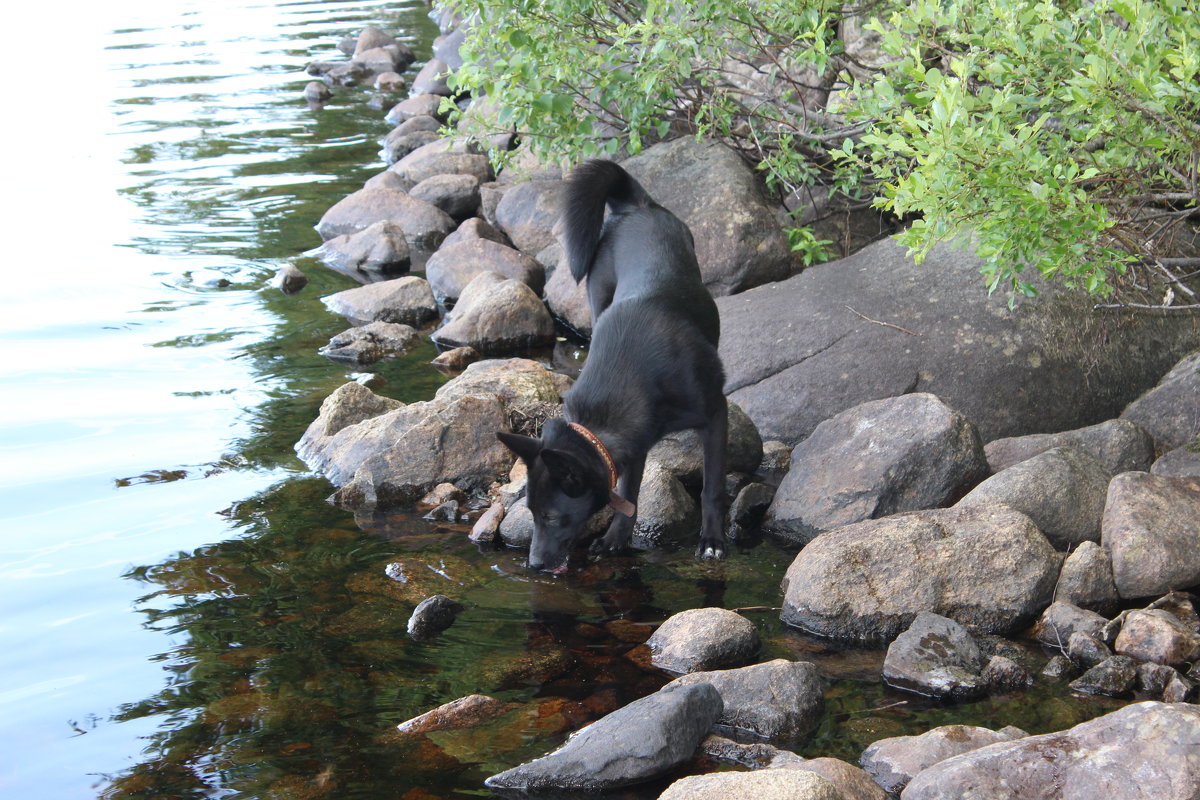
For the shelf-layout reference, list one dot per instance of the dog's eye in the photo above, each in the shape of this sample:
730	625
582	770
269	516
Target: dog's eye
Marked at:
552	520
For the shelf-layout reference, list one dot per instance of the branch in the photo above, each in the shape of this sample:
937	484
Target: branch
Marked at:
1144	307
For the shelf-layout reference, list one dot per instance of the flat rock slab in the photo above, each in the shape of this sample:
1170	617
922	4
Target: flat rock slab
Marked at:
703	639
896	454
370	343
895	761
936	657
1145	751
1151	529
637	743
988	567
796	355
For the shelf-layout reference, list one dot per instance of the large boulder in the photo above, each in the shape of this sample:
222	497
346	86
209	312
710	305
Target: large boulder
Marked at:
894	761
1062	490
1171	410
777	700
496	315
802	350
443	157
1118	444
1145	751
454	266
897	454
528	212
1151	529
637	743
457	195
1087	581
740	242
424	225
988	567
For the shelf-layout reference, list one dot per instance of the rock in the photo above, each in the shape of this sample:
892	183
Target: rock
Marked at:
703	639
666	512
879	458
937	657
852	782
895	761
1178	463
446	512
1061	620
497	315
487	528
739	241
566	298
377	252
457	195
400	454
289	279
1059	668
370	343
795	355
423	224
370	38
1087	581
988	568
398	145
1086	650
1179	690
750	505
465	712
317	93
777	457
516	529
446	48
779	699
516	381
641	741
1062	490
349	404
443	157
457	359
476	228
390	82
1114	677
1158	636
388	180
453	267
1170	412
1151	529
406	301
763	784
528	212
1118	444
1153	678
682	453
432	79
441	494
347	73
432	616
1002	674
1145	751
420	106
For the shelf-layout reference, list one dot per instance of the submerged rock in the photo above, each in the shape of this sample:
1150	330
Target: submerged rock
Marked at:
370	343
465	712
937	657
406	301
433	615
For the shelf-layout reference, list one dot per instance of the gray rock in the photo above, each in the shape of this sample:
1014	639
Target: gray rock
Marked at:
1002	674
852	782
527	213
879	458
457	195
1159	636
487	528
1062	490
349	404
1059	668
1061	620
406	300
1114	676
420	106
703	639
496	316
1151	530
516	529
443	157
751	504
1178	463
641	741
446	48
1087	650
387	180
290	279
390	82
778	699
937	657
1179	690
566	298
398	145
1170	411
317	93
762	784
476	228
370	38
370	343
1156	742
895	761
424	225
682	453
377	252
454	266
988	568
1087	581
432	616
432	79
665	510
739	241
516	381
795	355
1118	444
1153	678
777	457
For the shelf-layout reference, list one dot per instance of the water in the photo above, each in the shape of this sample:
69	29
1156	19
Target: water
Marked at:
182	613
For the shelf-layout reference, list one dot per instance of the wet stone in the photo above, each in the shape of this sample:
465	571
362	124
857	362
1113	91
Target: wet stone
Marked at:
370	343
1087	581
895	761
1159	636
432	616
290	280
1059	668
458	358
1086	650
1153	678
702	639
1179	690
465	712
1061	620
937	657
1002	674
1113	677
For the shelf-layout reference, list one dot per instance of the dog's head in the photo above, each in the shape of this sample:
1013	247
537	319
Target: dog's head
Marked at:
567	483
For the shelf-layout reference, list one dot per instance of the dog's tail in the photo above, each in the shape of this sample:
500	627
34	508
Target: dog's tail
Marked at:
590	187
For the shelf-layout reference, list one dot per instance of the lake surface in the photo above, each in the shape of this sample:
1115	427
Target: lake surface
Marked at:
181	612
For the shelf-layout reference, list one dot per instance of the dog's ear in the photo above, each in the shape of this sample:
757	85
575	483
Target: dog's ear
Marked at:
568	471
526	447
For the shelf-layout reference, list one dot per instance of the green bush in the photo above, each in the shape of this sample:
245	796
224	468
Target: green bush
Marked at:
1062	136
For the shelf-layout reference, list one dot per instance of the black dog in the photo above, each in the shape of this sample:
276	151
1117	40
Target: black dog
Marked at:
653	369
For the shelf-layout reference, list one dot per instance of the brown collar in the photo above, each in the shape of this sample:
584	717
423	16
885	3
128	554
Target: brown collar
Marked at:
615	500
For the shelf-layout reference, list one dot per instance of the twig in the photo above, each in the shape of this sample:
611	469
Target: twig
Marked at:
896	704
878	322
1146	307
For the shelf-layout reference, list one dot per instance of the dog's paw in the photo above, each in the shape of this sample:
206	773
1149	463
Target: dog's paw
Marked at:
604	547
710	551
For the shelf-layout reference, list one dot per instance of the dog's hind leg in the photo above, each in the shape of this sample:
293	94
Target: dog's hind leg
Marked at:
620	531
712	497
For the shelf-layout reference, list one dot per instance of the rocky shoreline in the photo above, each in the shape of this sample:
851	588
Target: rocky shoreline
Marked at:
889	418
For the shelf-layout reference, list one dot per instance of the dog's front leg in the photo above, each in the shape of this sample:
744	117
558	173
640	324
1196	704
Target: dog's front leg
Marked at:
712	497
620	531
